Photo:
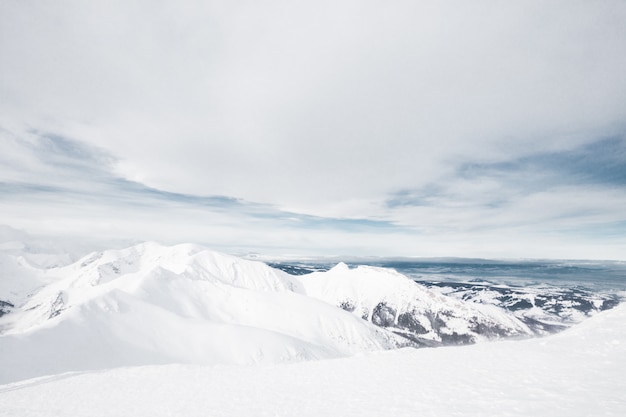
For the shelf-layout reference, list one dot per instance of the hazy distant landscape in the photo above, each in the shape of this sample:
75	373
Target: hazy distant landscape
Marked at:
347	207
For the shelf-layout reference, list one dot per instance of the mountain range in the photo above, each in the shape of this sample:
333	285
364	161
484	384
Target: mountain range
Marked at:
154	304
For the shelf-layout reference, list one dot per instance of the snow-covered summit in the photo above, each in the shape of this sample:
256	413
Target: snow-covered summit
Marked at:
135	270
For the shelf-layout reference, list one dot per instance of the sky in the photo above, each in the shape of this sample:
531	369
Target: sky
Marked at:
406	128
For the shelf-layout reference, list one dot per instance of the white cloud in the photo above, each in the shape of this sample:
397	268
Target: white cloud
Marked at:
322	108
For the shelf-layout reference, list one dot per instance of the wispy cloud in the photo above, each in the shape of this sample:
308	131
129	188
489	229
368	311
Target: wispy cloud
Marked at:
602	162
576	196
85	196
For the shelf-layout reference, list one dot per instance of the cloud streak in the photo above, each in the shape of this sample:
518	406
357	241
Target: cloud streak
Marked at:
86	198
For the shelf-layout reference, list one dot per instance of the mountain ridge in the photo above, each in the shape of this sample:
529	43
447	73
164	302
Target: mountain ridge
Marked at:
150	304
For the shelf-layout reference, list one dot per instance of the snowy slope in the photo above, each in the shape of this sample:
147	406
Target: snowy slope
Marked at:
19	278
393	301
25	261
151	304
579	372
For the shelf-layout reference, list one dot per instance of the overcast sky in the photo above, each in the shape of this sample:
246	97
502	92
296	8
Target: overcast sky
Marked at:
419	128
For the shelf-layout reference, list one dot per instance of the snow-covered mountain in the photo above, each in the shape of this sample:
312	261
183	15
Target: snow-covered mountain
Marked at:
545	300
543	308
185	304
152	304
392	301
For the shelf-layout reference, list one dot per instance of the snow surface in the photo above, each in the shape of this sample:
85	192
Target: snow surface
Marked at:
163	331
579	372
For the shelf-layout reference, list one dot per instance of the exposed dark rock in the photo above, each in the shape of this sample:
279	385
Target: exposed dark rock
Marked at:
540	327
510	302
292	269
347	305
416	341
456	339
5	307
490	330
437	320
608	304
410	322
57	306
383	315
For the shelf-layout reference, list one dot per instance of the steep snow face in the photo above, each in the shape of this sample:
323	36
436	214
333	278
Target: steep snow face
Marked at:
393	301
151	304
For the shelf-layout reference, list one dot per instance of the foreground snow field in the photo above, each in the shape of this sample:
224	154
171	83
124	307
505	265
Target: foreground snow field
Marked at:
580	372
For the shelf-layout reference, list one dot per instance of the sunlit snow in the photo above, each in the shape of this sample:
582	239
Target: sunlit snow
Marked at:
161	331
579	372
